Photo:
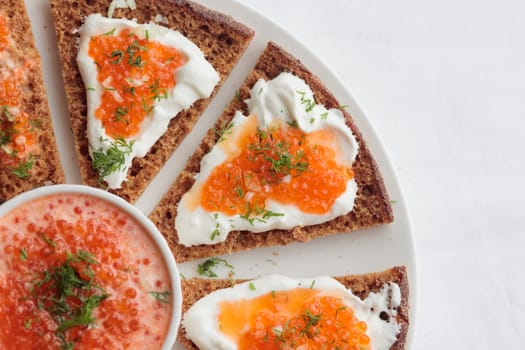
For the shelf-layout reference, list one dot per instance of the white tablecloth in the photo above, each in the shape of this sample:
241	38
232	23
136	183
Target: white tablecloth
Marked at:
443	82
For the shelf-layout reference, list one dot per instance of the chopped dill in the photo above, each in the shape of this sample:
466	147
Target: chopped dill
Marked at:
223	131
162	297
108	161
206	268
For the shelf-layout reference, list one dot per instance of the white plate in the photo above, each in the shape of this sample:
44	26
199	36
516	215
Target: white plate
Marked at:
359	252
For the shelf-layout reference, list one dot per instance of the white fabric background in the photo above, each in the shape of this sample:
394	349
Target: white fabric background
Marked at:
443	82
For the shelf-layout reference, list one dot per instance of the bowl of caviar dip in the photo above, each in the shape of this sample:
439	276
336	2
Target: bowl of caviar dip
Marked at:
81	268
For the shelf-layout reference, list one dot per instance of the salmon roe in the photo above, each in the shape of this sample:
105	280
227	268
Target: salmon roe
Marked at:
134	73
44	235
19	131
281	163
298	318
4	33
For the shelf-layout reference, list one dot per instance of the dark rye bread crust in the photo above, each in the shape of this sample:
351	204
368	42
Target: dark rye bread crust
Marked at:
372	206
221	39
47	168
360	285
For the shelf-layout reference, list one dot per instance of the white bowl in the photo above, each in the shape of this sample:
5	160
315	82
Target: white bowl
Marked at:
149	227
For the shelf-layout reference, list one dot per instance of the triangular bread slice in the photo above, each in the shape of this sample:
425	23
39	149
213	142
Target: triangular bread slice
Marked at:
220	38
360	285
372	206
46	167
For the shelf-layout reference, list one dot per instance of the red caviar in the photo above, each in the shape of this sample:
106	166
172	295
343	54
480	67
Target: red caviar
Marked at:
292	319
4	33
134	73
19	131
42	235
281	163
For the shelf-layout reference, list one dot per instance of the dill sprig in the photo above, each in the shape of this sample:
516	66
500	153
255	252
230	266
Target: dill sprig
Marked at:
23	169
309	104
224	130
120	114
278	154
69	294
159	93
108	161
162	297
135	59
310	320
206	268
255	213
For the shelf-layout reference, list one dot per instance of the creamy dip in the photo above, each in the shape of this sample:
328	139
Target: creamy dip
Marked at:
124	282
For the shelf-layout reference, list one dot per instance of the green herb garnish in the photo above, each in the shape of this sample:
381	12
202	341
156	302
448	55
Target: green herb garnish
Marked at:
159	93
117	55
239	191
293	124
308	103
36	123
23	254
68	294
108	161
23	169
145	106
224	130
162	297
8	116
342	308
206	268
215	232
5	137
48	240
131	90
311	320
99	67
27	323
120	114
251	286
111	32
134	58
280	334
278	154
255	213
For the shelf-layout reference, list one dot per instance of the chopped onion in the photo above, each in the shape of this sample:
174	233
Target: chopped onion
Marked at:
137	82
132	5
161	19
121	4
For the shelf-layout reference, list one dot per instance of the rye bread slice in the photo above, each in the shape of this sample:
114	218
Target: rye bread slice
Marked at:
372	206
220	38
47	168
360	285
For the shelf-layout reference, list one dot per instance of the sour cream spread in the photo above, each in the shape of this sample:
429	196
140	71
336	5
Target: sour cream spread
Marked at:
273	309
286	164
137	78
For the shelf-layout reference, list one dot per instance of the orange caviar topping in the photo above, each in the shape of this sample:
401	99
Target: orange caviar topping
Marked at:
18	130
4	33
281	163
134	73
292	319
